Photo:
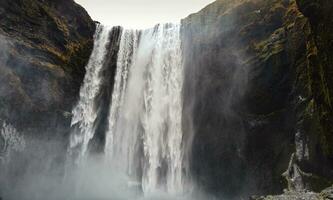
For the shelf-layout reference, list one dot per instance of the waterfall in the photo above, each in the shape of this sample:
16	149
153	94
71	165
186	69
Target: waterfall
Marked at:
145	116
85	112
144	139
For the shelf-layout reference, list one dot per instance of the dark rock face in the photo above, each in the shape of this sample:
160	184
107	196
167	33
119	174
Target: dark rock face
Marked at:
318	117
248	97
45	45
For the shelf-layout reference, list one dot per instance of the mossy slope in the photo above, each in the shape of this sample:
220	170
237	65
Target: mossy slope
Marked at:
255	86
45	47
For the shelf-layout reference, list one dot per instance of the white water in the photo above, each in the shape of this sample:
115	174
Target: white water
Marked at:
146	109
144	138
10	140
84	113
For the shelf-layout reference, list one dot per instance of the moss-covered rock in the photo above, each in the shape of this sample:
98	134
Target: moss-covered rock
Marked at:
320	62
45	47
256	90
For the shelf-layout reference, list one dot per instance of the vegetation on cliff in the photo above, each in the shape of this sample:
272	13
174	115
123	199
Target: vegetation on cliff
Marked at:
45	46
278	61
320	79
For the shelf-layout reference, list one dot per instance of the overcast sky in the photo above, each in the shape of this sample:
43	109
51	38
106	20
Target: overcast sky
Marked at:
141	13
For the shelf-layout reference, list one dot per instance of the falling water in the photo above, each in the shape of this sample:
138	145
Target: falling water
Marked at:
145	115
144	135
10	140
84	113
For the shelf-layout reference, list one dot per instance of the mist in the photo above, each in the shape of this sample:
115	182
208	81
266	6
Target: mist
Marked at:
39	165
4	54
38	172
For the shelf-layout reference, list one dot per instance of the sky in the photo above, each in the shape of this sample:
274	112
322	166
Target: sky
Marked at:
140	13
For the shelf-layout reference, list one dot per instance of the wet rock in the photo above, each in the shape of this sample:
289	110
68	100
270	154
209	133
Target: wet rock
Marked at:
239	64
326	194
45	46
247	63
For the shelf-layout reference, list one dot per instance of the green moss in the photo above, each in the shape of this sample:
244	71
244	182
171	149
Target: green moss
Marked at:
319	183
78	54
60	23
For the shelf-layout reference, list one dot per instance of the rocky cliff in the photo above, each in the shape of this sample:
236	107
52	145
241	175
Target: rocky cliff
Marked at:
257	90
45	45
319	85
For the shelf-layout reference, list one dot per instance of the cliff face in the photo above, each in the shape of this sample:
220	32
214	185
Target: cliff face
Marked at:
256	91
45	45
319	82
